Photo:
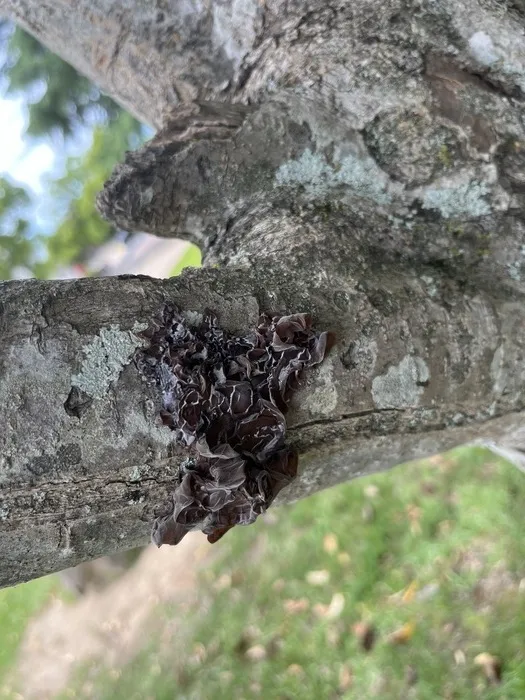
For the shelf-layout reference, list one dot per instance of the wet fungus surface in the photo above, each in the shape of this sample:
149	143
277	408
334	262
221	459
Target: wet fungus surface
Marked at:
225	398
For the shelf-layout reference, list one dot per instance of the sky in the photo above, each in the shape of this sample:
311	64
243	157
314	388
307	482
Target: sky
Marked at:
30	162
22	162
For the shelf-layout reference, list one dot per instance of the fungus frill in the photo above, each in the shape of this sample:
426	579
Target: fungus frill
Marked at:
225	399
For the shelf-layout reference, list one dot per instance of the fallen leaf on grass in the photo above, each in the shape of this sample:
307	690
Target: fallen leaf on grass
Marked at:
366	634
295	670
224	581
336	606
345	678
332	611
459	657
330	544
428	591
412	593
256	653
318	578
371	491
491	666
409	592
402	635
414	514
296	606
443	463
320	609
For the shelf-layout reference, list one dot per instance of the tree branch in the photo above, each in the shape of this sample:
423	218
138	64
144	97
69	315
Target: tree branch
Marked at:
150	57
85	459
373	178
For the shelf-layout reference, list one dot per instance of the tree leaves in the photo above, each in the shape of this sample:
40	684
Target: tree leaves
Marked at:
59	98
61	104
15	248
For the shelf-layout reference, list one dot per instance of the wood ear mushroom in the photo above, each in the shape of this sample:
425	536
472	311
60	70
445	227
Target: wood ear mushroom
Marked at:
225	398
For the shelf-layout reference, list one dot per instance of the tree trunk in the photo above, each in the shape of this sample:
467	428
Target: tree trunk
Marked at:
363	162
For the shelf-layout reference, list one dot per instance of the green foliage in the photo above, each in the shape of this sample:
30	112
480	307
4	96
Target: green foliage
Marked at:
60	101
15	248
431	551
59	97
191	258
82	229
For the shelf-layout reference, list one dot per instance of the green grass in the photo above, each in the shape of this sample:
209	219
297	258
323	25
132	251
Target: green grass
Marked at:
17	606
191	258
436	546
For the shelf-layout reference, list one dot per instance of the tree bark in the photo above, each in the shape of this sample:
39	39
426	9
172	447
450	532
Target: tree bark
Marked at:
364	162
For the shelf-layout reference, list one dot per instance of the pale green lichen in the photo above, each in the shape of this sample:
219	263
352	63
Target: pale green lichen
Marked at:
499	371
138	471
444	156
514	271
318	177
104	359
463	199
515	268
323	399
506	58
138	424
402	385
136	474
430	285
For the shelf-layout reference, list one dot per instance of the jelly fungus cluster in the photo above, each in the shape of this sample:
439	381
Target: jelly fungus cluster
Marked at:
225	398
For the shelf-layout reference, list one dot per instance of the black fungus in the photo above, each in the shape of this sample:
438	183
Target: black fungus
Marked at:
225	398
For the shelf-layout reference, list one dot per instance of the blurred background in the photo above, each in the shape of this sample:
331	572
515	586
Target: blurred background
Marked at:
406	584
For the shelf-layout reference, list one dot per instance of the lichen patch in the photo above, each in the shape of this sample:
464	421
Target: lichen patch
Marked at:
322	401
318	177
105	358
402	385
455	201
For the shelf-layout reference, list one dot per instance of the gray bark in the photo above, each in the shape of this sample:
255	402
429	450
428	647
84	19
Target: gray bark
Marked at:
360	161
